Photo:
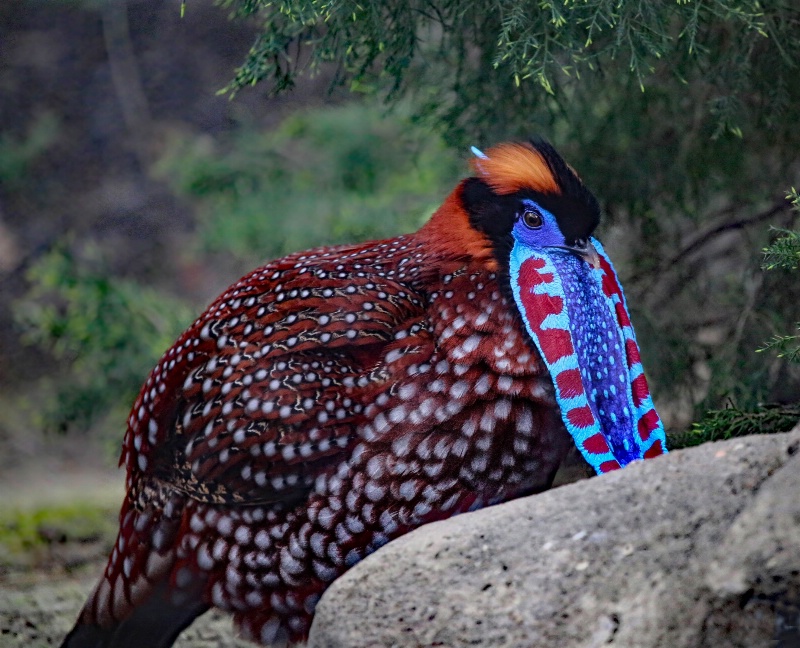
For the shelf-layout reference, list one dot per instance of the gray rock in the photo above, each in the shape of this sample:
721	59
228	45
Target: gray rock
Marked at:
697	549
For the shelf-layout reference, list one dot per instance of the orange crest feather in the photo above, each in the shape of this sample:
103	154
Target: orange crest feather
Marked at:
513	166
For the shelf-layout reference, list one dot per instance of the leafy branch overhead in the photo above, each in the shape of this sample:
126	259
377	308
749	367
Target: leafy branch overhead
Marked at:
519	52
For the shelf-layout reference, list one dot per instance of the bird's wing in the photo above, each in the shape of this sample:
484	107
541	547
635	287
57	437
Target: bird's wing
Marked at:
268	386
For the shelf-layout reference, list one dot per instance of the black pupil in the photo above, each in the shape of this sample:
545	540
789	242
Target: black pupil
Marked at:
532	218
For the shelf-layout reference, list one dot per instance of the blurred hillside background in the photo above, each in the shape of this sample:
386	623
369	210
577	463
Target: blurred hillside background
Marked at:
132	192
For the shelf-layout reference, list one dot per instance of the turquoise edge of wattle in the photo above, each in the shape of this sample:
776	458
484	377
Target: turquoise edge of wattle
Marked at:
554	288
658	434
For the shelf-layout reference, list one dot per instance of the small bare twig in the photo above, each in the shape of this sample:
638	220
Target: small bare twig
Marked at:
663	279
707	235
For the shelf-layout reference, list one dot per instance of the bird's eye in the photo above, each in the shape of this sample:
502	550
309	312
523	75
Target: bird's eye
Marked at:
532	218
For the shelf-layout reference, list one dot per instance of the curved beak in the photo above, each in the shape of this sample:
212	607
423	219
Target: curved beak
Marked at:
586	251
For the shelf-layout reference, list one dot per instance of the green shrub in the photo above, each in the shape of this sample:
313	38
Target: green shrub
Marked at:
107	333
324	176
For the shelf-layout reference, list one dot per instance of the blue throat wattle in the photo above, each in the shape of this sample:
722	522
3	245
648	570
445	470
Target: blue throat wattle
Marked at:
600	350
578	320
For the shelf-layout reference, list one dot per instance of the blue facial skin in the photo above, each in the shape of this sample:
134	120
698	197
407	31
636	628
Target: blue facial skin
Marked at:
597	338
548	235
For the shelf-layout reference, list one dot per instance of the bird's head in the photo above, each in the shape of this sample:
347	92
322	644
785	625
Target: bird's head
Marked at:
527	194
527	214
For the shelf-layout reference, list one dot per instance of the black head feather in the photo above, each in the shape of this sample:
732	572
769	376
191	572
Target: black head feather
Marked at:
536	171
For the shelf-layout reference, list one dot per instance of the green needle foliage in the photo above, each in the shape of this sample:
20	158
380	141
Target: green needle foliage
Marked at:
492	66
785	346
784	253
107	333
731	422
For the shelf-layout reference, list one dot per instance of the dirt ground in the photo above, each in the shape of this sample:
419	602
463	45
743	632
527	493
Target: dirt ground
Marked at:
36	615
40	614
42	591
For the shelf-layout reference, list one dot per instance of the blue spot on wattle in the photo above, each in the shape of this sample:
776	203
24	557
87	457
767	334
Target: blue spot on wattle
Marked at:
590	315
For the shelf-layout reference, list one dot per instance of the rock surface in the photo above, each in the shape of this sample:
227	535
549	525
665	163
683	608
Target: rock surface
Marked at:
697	549
700	548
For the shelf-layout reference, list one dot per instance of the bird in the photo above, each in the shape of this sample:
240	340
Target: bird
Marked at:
337	398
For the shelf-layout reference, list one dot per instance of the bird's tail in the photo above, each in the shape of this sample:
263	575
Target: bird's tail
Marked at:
142	600
156	623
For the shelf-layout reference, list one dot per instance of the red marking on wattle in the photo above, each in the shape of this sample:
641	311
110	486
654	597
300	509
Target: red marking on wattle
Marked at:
596	444
580	416
530	274
656	449
608	466
632	352
569	383
537	263
610	286
622	315
639	390
647	424
556	344
536	278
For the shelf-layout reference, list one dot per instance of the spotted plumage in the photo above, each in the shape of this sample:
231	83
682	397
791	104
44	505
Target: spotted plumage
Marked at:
337	398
